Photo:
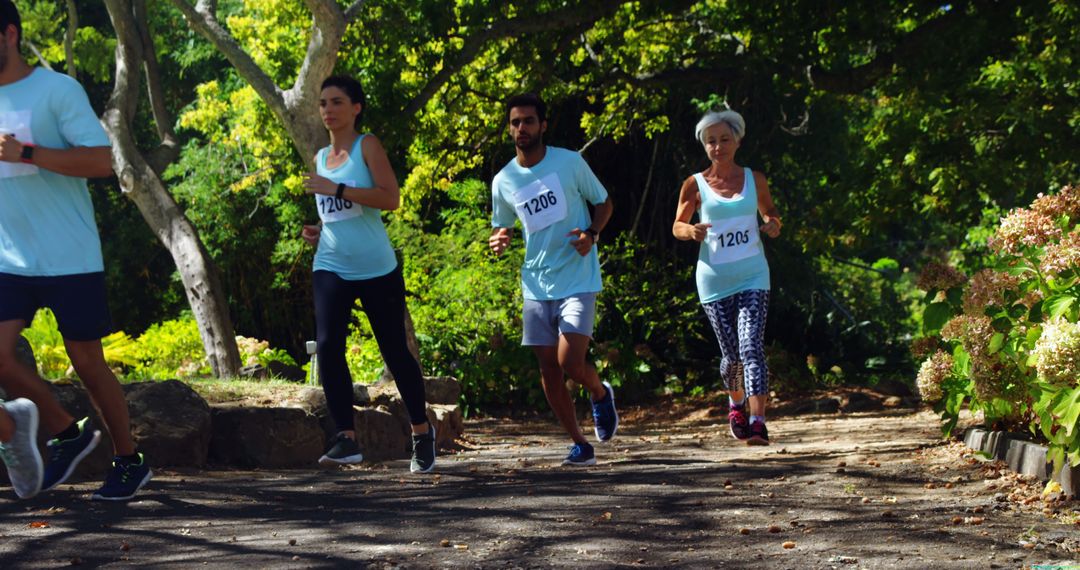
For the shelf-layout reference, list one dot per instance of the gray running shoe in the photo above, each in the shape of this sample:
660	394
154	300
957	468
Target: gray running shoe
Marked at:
21	455
423	452
343	451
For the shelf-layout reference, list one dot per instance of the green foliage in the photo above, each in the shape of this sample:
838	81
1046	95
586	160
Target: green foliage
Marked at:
1011	330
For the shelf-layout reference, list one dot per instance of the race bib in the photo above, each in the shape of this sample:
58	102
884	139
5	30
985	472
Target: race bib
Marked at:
541	203
732	239
333	209
17	123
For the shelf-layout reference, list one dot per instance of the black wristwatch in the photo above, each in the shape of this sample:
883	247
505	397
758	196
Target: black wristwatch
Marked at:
27	155
595	235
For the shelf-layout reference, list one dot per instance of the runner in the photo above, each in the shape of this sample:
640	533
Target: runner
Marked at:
732	273
50	256
547	189
18	446
353	184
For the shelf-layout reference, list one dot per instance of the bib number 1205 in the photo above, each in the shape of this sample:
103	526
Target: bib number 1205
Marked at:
732	239
539	203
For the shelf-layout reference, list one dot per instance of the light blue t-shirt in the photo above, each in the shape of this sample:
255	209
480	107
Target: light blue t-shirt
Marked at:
731	259
47	223
549	199
353	243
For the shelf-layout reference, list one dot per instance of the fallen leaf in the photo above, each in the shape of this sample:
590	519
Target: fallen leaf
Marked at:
789	545
38	524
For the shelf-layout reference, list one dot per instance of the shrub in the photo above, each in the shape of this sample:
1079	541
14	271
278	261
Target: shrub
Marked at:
1011	328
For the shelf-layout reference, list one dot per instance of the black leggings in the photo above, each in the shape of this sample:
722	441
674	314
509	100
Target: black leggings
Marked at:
383	299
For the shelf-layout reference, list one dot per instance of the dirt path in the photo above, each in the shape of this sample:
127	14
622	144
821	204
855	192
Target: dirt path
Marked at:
844	491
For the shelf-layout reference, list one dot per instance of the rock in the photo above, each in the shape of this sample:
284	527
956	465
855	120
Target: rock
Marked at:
169	422
890	387
821	406
893	402
381	435
360	395
254	372
449	423
265	437
859	402
442	389
287	371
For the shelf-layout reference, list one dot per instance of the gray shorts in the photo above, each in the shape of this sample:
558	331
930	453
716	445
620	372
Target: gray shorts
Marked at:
544	321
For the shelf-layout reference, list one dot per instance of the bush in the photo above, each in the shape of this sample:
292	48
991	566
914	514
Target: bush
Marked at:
1005	340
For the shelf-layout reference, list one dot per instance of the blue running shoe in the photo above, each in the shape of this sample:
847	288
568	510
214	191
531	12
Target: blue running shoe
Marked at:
124	480
65	455
581	454
21	455
605	416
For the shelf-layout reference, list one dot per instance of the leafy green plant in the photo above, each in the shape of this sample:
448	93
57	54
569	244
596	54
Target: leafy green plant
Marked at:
1005	341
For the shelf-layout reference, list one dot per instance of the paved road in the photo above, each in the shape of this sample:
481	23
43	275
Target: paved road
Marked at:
672	491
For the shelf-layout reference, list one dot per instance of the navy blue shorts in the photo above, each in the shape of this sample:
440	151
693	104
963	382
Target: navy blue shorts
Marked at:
78	301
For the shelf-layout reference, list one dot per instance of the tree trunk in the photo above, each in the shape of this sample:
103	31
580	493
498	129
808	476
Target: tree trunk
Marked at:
143	185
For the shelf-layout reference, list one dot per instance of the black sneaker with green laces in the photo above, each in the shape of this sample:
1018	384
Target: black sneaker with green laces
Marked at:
423	452
124	479
343	451
65	454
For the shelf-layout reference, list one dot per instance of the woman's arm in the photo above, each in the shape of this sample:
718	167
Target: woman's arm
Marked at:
768	210
689	200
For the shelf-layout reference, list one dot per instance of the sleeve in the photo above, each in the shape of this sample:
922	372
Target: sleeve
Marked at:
77	121
503	214
591	188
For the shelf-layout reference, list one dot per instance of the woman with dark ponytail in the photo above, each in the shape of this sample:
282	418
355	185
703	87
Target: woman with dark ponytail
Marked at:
353	183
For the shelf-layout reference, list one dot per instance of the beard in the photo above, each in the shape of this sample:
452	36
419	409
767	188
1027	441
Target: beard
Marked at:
527	145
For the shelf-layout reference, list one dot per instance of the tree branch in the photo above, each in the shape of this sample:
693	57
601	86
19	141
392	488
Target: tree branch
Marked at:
567	17
169	148
202	18
69	38
908	48
353	10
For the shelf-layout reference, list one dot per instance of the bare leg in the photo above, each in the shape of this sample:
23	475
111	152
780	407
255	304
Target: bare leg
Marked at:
7	426
572	352
89	361
20	381
558	396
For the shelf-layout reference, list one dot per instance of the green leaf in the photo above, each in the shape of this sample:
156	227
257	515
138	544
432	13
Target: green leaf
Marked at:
935	316
1058	305
996	342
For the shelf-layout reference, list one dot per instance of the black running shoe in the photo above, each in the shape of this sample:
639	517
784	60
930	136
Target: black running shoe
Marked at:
343	451
423	452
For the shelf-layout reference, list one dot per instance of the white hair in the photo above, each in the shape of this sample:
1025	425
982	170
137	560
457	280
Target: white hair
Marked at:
732	119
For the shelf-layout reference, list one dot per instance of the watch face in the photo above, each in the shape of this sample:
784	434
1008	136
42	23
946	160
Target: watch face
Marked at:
27	152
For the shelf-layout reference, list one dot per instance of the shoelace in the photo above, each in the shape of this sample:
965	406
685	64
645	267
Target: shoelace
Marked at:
737	416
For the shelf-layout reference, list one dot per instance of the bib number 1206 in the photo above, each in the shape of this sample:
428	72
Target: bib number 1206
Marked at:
540	203
732	239
331	205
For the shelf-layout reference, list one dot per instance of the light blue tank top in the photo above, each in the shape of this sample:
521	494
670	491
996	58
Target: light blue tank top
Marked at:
353	243
731	258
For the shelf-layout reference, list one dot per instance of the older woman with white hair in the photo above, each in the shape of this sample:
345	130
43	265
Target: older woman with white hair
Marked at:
732	273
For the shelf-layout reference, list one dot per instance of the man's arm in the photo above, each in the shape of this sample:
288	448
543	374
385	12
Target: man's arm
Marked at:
80	161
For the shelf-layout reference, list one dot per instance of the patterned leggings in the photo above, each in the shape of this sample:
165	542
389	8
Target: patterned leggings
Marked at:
739	324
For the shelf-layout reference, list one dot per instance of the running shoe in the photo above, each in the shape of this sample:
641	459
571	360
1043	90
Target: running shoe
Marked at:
423	452
343	451
124	479
65	454
740	427
759	434
21	455
605	416
581	454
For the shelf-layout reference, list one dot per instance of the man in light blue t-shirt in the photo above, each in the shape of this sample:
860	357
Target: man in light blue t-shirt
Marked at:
546	189
50	256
